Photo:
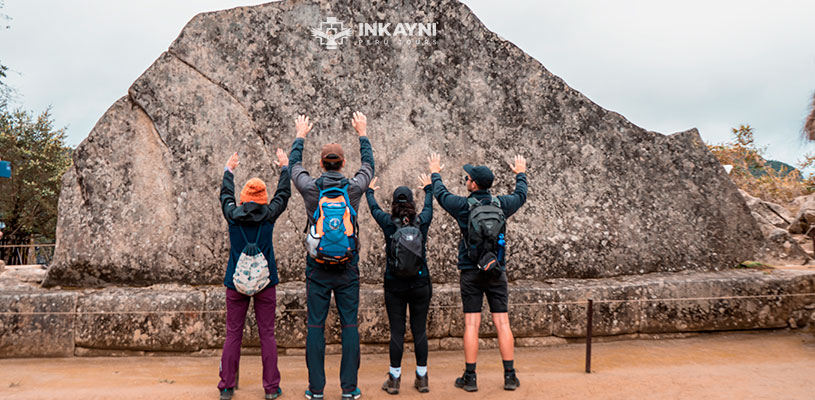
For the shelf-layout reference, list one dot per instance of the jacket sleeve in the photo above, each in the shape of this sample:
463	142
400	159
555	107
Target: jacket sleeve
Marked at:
228	203
512	202
281	195
359	183
427	212
299	175
382	218
448	201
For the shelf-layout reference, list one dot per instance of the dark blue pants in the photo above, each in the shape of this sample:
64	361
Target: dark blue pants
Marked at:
320	283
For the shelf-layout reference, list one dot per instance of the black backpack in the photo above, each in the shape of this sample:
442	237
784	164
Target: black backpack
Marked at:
406	250
486	225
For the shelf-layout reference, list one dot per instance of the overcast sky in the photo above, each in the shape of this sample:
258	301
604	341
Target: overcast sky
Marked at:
665	65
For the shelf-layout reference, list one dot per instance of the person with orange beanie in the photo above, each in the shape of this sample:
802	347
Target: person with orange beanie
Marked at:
252	217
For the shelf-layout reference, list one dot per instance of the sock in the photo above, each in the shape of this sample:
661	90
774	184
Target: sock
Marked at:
421	371
469	367
396	372
508	365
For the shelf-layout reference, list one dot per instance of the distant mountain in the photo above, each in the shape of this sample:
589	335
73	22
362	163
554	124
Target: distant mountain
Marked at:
782	168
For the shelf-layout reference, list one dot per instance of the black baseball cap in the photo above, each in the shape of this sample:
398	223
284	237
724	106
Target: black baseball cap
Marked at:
481	175
402	194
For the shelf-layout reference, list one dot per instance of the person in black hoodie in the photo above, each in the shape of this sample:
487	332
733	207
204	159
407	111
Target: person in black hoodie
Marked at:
409	291
254	218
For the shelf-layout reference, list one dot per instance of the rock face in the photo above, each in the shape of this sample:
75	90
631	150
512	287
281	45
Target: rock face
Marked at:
773	219
606	198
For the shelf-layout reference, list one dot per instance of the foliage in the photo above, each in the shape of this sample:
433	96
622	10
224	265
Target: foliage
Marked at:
39	156
752	173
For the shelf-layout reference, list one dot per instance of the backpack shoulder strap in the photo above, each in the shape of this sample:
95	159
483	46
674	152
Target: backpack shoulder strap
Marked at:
494	201
472	202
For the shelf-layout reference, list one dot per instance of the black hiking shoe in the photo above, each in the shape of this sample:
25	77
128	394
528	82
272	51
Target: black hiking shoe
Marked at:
226	394
421	383
511	381
391	385
467	382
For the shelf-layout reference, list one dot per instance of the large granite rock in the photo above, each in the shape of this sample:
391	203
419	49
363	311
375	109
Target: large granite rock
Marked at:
607	198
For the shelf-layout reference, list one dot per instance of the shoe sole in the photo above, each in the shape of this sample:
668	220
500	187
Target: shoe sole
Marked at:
422	389
466	388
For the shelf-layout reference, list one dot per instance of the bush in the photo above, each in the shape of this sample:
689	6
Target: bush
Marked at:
755	175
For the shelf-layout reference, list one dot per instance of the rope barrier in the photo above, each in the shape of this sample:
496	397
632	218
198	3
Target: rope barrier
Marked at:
543	303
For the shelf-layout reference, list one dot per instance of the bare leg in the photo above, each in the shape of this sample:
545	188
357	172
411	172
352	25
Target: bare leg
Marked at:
506	342
472	321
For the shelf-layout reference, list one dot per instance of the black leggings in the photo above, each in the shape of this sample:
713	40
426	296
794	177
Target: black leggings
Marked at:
396	302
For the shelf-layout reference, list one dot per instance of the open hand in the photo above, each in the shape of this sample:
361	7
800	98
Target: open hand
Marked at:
424	180
360	123
302	126
372	185
282	158
435	163
520	164
233	162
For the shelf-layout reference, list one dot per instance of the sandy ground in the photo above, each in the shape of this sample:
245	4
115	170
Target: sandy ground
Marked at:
765	365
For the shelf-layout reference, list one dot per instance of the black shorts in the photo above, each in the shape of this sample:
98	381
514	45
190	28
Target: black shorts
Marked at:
475	284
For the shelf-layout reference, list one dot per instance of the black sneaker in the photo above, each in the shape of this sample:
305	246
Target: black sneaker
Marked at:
391	385
421	383
511	381
226	394
467	382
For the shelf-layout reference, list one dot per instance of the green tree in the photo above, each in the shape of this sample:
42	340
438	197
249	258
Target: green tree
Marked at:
39	156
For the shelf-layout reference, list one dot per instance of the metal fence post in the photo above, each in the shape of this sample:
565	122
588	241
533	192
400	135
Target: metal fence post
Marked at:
589	313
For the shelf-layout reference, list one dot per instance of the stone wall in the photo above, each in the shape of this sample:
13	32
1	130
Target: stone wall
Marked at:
171	318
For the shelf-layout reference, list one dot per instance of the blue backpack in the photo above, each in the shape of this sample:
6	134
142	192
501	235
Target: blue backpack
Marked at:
333	236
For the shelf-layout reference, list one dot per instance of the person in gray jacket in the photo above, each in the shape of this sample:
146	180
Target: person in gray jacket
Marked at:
343	278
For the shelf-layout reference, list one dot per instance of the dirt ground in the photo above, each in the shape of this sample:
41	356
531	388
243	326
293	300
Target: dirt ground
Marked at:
763	365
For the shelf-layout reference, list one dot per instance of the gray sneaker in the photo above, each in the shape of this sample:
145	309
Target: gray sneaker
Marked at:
391	384
226	394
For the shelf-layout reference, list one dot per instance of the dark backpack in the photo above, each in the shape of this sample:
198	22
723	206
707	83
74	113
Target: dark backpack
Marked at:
485	227
406	250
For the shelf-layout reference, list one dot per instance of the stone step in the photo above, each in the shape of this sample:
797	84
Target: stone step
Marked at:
172	318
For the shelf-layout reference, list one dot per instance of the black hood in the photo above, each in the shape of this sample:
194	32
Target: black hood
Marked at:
251	212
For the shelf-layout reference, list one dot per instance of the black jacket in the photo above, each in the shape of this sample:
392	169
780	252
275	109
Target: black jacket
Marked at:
250	217
385	221
458	208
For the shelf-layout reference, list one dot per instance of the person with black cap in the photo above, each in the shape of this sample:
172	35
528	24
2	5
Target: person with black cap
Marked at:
407	278
482	272
322	275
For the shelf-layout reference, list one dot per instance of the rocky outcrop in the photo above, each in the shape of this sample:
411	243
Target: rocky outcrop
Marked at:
805	216
172	318
607	198
773	219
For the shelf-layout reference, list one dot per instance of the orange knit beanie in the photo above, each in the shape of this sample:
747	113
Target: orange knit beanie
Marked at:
254	190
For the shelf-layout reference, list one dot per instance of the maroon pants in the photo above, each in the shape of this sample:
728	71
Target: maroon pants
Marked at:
236	306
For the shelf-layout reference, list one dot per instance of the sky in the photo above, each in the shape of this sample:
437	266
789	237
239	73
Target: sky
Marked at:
667	66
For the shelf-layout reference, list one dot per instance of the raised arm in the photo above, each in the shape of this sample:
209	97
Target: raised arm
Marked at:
426	216
228	203
366	171
283	192
448	201
299	175
382	218
512	202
